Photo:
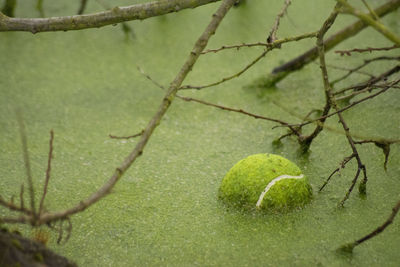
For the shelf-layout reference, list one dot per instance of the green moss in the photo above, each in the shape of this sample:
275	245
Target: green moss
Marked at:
246	180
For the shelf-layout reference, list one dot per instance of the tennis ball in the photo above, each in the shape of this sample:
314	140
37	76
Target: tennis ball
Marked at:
266	182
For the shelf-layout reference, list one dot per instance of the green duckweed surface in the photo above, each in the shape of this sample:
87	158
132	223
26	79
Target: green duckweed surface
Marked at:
165	211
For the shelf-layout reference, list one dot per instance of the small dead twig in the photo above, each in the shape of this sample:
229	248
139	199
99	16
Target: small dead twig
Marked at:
382	144
275	44
82	7
331	101
46	183
126	137
357	69
350	246
272	35
342	166
363	50
241	111
370	82
26	162
252	63
384	87
11	206
345	33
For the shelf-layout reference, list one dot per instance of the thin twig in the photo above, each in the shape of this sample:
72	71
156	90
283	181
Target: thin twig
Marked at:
342	166
126	137
382	144
46	183
11	206
191	99
368	49
82	7
268	48
350	246
274	44
272	35
370	82
385	87
236	75
241	111
331	100
26	161
378	230
335	39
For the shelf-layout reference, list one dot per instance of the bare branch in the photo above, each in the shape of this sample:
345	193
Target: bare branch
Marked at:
100	19
384	87
356	69
26	161
11	206
369	20
350	246
154	122
330	100
342	166
241	111
370	82
368	49
126	137
269	47
274	44
272	35
347	32
46	183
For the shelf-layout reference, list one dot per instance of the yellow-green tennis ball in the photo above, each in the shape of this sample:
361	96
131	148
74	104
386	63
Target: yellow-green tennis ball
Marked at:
267	182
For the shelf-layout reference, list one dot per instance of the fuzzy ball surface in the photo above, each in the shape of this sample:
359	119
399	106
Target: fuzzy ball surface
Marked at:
266	182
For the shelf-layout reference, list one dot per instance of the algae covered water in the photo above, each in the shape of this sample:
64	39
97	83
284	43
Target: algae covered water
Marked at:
165	210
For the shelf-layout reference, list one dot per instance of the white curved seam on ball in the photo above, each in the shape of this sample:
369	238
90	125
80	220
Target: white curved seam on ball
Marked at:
271	184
